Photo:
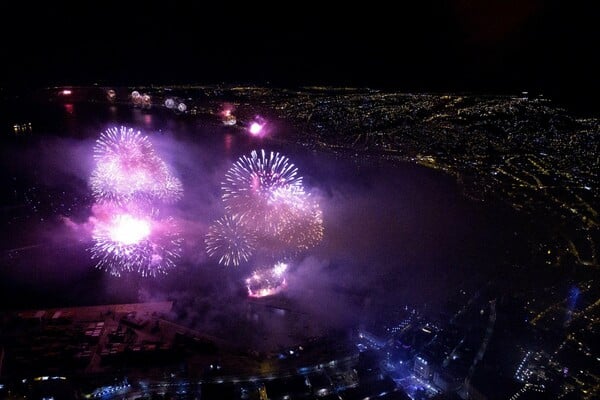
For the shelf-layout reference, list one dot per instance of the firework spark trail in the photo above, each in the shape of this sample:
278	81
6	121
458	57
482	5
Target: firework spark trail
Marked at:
304	229
252	184
127	168
230	240
253	180
296	226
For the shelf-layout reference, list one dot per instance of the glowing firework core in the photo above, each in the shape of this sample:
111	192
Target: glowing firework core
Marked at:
134	240
128	230
256	128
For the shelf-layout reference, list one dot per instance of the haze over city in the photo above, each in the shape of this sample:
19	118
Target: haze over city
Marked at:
202	203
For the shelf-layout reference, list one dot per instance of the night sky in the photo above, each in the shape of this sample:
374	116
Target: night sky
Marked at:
484	46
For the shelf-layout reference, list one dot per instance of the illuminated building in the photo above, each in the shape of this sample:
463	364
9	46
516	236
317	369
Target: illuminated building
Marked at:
422	368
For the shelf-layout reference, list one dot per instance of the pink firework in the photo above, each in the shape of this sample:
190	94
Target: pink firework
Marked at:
253	184
267	282
128	239
127	168
255	128
227	110
230	241
267	190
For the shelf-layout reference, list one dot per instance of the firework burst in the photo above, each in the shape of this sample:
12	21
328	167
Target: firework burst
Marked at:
267	282
131	240
253	185
127	168
230	240
281	219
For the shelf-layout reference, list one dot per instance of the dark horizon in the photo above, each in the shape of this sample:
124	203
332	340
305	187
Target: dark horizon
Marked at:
496	47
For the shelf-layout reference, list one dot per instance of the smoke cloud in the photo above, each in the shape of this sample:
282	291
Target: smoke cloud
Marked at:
394	235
